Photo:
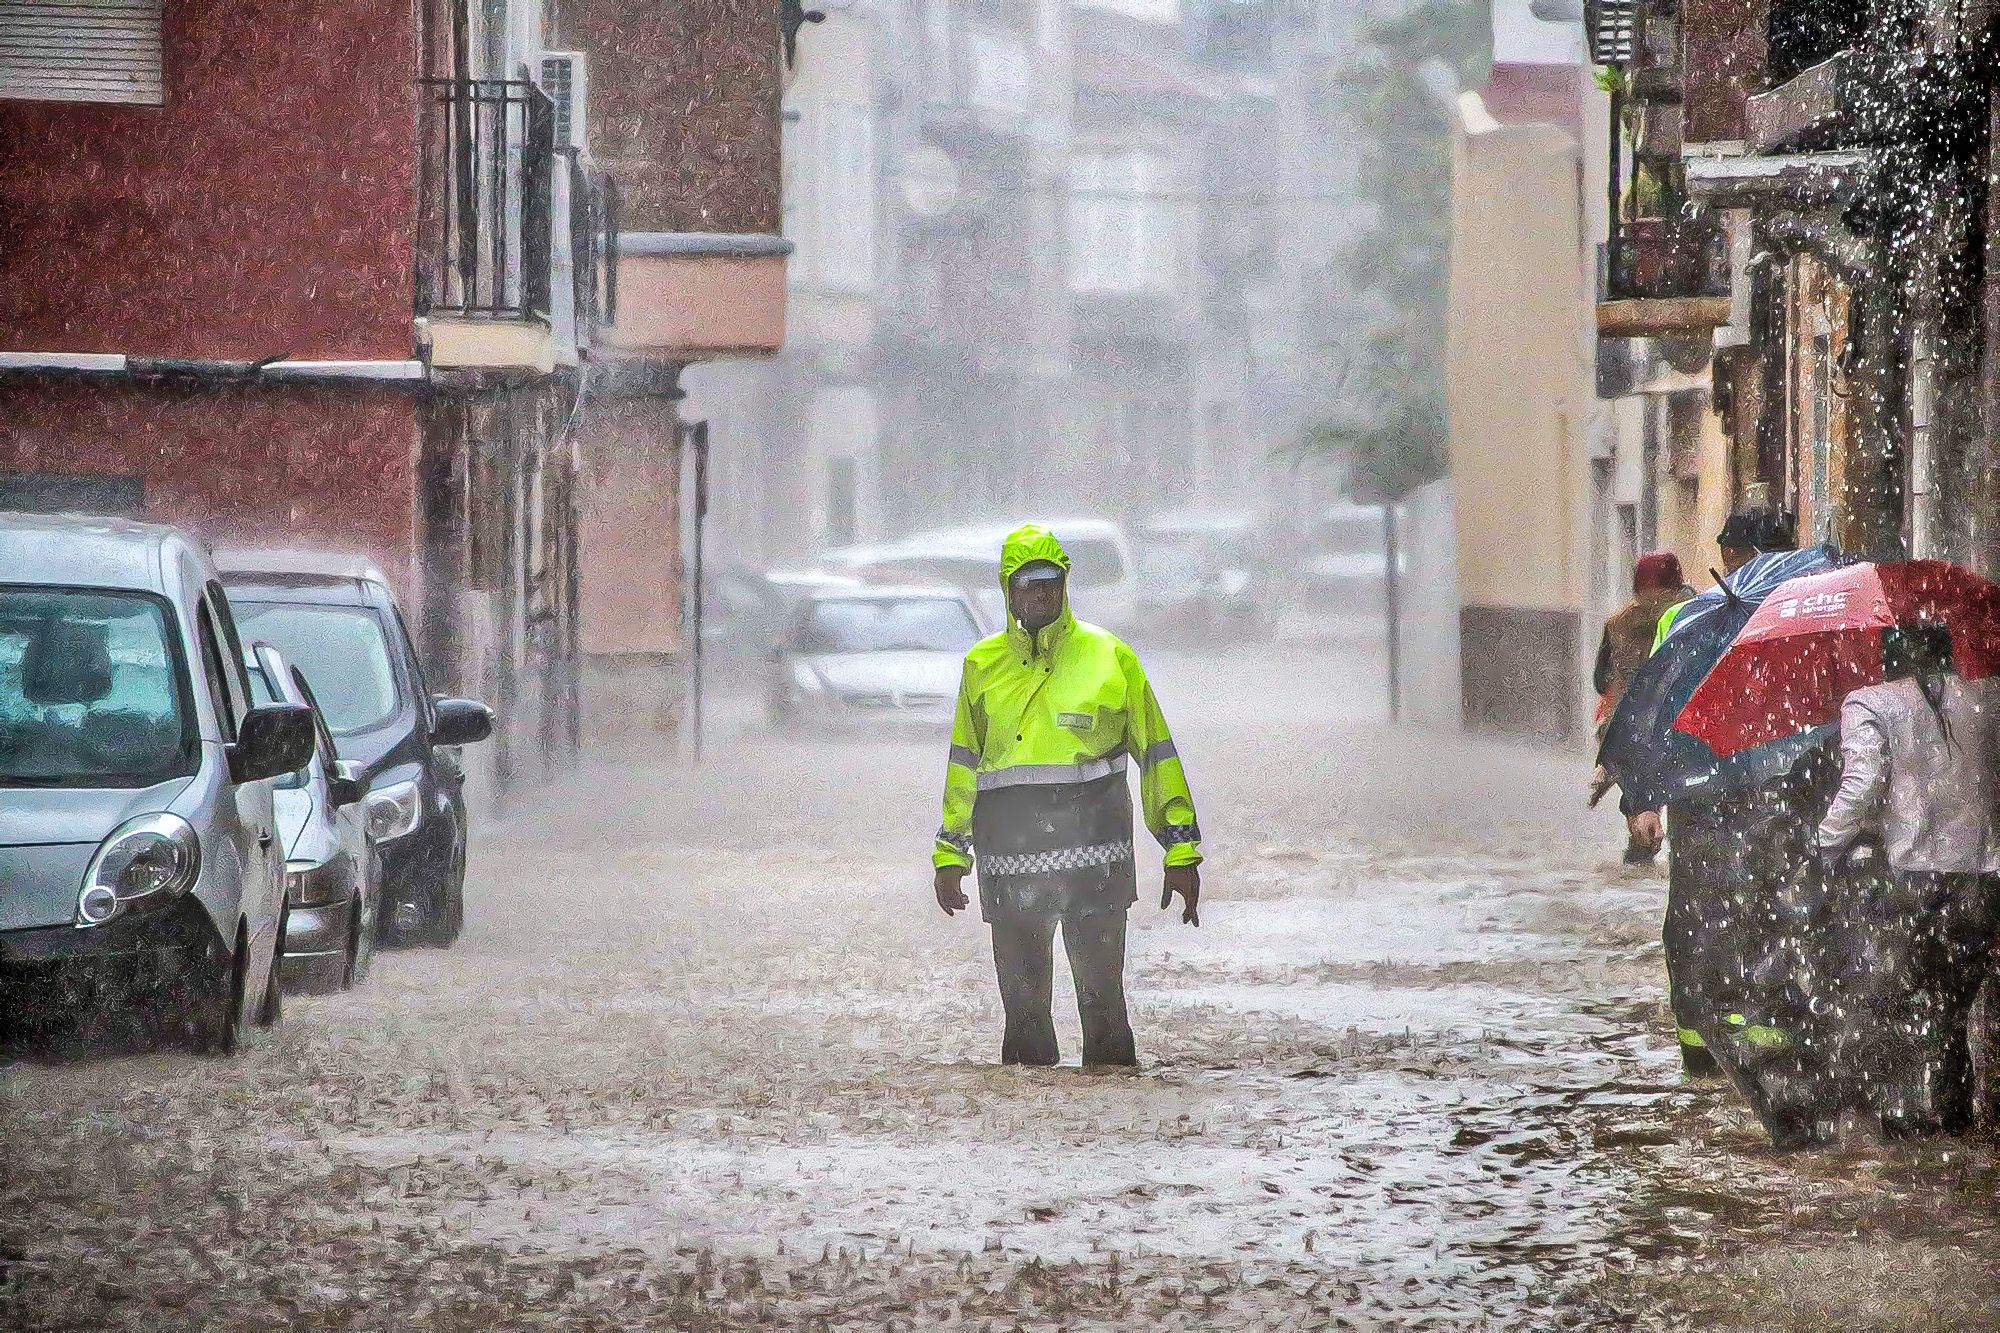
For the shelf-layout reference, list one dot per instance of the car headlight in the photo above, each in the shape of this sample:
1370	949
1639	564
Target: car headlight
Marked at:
313	883
146	861
394	811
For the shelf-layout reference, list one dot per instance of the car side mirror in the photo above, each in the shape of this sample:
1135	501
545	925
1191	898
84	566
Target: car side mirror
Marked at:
272	739
461	722
345	786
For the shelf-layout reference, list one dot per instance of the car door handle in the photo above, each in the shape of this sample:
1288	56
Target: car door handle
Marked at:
264	840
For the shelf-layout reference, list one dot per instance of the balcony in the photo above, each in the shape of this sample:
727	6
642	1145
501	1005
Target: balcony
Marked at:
695	296
485	219
1662	276
1862	99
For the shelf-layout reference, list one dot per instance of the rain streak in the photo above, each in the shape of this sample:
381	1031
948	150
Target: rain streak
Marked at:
999	665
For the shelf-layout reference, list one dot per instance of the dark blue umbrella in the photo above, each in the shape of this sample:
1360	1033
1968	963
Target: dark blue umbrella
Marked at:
1656	765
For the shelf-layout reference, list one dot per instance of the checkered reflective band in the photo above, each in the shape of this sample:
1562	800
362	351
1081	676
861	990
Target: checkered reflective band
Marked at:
961	841
1177	833
1059	860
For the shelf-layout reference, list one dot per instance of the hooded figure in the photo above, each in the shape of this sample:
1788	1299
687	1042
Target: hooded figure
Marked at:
1051	713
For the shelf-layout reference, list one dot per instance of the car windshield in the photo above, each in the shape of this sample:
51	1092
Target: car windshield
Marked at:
345	650
873	625
92	691
1093	562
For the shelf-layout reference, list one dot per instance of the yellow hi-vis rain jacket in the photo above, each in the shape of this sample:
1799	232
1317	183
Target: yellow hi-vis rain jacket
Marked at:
1036	780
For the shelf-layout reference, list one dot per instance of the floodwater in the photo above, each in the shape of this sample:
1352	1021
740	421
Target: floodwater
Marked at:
708	1057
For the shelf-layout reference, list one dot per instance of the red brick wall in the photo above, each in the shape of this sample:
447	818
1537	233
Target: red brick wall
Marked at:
272	465
1723	49
684	109
265	208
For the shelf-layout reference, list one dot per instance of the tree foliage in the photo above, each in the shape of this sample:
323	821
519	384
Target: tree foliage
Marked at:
1387	427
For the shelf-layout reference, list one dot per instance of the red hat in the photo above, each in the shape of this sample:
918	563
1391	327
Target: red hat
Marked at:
1657	571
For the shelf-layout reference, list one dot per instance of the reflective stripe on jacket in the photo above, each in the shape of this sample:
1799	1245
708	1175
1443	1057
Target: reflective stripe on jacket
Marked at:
1064	711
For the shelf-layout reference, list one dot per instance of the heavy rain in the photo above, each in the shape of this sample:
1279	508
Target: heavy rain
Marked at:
999	664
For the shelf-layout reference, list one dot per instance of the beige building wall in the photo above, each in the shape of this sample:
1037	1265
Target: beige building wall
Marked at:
1520	396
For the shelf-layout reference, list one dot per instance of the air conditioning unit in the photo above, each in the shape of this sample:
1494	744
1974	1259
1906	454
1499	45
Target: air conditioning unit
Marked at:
565	81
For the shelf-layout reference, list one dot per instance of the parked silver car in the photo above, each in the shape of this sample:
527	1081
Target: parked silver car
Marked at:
139	860
873	657
332	894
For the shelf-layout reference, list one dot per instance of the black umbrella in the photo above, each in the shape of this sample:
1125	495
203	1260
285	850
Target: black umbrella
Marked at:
1653	763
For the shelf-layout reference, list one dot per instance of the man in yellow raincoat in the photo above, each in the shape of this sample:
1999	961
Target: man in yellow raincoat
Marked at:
1049	713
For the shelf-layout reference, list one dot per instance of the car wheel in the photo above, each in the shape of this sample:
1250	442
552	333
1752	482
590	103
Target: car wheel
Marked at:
213	1018
449	918
368	934
273	1007
350	968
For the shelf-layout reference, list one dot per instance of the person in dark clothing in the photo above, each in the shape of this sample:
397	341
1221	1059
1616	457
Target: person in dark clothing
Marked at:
1709	866
1748	980
1627	639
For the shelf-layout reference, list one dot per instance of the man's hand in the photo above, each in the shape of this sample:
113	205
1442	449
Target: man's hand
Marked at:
1186	881
949	884
1646	829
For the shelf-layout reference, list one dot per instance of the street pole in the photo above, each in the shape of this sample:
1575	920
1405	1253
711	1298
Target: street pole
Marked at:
698	438
1392	609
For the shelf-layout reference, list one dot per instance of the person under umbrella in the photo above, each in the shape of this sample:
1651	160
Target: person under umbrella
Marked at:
1728	816
1627	641
1797	1040
1918	755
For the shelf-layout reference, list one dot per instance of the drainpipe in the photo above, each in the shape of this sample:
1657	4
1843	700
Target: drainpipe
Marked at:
1923	498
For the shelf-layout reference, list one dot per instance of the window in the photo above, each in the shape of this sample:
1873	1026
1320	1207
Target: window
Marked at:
342	650
81	51
72	493
1122	223
235	679
836	215
212	670
880	625
92	691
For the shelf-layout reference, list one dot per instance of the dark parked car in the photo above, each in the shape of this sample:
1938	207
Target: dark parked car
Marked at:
336	618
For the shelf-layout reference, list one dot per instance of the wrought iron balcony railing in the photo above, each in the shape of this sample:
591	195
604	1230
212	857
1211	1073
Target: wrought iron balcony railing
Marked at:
484	217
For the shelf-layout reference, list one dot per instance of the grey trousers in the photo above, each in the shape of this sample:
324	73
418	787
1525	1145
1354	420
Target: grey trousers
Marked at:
1024	959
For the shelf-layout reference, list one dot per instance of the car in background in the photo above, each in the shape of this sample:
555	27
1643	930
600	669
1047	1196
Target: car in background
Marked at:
336	617
1103	582
911	562
1343	565
746	610
139	860
1207	572
332	900
872	657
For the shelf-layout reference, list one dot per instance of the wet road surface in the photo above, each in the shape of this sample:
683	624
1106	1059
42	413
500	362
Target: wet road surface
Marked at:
708	1057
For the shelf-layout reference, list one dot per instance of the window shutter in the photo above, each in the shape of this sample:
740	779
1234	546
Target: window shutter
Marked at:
81	50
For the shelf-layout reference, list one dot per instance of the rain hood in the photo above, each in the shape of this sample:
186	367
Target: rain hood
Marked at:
1025	545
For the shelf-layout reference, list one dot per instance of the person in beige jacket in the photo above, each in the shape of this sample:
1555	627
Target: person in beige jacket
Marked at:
1920	763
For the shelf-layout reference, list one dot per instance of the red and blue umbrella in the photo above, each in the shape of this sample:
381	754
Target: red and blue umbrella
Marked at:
1657	765
1818	637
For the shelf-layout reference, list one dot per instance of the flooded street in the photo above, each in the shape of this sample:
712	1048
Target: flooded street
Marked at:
709	1057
